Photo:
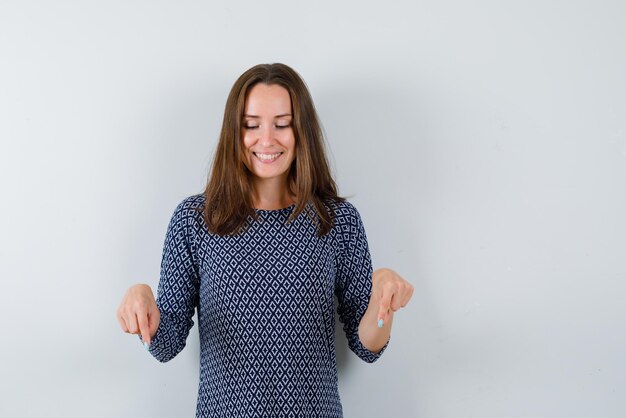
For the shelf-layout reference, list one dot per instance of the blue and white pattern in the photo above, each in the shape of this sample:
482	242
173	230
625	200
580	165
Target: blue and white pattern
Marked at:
265	301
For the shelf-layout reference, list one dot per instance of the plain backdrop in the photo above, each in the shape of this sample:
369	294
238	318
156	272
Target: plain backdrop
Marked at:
483	142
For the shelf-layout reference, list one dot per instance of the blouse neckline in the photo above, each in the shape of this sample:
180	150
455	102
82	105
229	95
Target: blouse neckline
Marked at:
287	209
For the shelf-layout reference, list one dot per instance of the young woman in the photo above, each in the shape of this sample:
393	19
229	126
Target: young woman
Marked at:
261	255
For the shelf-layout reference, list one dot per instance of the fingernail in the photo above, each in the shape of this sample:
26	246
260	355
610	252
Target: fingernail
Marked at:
146	345
381	323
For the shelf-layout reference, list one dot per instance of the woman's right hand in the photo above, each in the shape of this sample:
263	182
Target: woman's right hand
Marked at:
138	313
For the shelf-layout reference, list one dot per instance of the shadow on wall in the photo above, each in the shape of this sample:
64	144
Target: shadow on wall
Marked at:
378	140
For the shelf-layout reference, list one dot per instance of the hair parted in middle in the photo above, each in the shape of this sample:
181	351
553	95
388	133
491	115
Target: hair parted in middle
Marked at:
228	193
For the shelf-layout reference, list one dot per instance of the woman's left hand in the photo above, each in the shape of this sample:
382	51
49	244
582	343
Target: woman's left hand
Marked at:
391	292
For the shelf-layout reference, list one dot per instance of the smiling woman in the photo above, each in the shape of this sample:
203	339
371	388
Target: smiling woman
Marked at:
270	143
270	108
260	255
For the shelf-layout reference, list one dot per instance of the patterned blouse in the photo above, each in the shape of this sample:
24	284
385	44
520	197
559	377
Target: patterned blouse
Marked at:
265	304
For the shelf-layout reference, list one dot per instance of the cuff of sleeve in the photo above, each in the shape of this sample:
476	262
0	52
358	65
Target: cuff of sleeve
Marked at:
365	354
154	341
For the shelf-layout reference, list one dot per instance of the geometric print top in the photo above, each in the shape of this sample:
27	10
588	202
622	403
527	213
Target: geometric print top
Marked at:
265	304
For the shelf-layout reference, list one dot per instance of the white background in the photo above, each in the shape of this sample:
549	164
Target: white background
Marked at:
483	142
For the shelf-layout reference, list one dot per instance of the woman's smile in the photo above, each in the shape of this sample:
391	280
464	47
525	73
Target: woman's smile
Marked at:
267	158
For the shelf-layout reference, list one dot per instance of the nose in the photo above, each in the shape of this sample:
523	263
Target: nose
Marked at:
267	135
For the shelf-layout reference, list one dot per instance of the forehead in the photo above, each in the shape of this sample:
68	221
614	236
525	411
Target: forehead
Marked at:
267	100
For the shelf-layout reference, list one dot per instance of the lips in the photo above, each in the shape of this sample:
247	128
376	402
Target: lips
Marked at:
268	158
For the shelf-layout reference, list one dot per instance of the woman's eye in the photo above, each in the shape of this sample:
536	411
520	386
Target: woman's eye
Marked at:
277	126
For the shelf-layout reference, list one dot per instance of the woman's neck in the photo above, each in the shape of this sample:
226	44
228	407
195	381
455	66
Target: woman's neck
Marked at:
270	194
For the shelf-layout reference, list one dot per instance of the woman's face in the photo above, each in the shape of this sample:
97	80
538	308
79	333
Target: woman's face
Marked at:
267	131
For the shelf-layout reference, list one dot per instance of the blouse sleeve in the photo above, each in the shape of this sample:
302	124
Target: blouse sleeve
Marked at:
353	285
177	295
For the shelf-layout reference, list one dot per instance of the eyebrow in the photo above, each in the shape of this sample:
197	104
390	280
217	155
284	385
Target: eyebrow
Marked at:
277	116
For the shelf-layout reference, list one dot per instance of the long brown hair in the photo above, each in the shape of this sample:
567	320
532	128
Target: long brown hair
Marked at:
228	193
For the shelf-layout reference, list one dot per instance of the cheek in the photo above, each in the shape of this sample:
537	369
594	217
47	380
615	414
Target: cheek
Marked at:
247	140
289	142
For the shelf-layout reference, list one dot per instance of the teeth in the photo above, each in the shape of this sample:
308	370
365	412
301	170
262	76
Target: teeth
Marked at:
266	157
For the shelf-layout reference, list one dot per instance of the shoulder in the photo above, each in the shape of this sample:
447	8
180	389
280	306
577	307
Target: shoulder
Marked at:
194	202
346	213
347	219
189	210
